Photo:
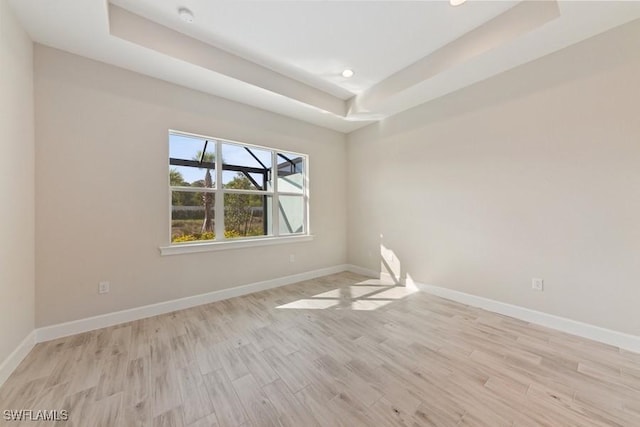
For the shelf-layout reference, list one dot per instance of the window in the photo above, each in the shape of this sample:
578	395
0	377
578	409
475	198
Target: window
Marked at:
228	191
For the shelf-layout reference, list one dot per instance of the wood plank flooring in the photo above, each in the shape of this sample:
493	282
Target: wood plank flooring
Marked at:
341	350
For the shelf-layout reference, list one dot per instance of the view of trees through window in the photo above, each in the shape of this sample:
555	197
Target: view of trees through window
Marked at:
246	187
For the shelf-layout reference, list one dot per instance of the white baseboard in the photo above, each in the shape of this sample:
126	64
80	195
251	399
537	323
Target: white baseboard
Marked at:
60	330
13	360
363	271
574	327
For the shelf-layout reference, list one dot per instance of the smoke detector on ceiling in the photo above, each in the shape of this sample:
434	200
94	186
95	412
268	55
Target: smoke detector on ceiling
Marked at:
186	15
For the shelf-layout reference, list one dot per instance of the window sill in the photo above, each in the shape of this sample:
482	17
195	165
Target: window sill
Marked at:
189	248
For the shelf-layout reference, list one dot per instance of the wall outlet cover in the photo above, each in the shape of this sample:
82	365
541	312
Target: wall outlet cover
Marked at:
103	287
537	284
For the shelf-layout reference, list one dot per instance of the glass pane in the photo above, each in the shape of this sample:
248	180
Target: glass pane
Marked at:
190	147
245	167
192	216
291	214
246	215
241	181
186	176
290	173
191	161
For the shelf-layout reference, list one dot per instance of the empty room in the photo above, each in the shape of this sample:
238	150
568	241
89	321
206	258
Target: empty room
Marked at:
319	213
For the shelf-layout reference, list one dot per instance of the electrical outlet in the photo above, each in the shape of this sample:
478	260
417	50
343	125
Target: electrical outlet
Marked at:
103	287
292	258
537	284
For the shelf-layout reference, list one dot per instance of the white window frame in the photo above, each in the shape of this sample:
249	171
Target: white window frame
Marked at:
221	242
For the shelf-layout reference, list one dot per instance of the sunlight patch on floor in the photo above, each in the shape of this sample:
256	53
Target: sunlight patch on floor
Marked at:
368	305
395	292
312	304
363	296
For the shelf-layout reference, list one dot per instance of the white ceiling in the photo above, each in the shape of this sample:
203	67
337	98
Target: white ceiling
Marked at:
287	56
322	38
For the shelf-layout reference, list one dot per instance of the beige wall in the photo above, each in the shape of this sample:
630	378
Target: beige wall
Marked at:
102	196
16	183
533	173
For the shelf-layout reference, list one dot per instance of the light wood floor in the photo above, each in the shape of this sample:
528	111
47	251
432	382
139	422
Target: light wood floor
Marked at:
342	350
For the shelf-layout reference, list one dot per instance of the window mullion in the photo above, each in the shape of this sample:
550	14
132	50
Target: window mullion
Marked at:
219	206
275	218
256	192
305	190
192	189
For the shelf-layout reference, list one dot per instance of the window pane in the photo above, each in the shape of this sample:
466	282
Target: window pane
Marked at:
246	215
291	214
190	147
186	176
191	161
192	216
241	181
290	173
245	166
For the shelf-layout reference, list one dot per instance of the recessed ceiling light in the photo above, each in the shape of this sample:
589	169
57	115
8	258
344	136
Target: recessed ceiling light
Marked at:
186	15
456	2
348	73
